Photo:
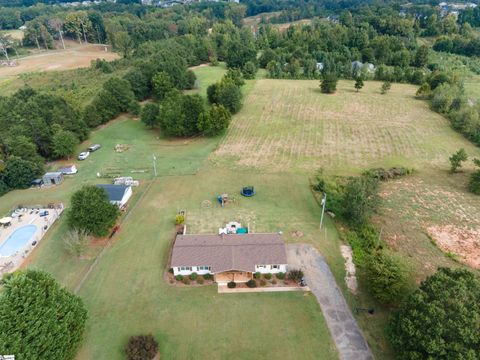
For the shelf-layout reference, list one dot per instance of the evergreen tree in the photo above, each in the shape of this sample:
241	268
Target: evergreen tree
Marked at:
329	83
40	319
358	83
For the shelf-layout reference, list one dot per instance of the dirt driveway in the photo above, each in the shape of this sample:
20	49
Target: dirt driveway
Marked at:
348	338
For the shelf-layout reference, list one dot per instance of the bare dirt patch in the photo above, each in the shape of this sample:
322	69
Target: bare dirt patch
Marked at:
350	270
72	58
463	242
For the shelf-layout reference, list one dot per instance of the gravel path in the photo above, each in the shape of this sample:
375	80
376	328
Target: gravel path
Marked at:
344	329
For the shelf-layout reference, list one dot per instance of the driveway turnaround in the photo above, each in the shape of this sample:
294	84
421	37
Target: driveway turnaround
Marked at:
344	329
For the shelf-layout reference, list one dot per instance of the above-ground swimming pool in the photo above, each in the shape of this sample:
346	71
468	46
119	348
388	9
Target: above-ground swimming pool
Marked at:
17	240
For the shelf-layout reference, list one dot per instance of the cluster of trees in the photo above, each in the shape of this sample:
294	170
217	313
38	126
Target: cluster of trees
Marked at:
177	114
40	319
33	127
440	319
447	96
312	50
459	44
355	200
83	26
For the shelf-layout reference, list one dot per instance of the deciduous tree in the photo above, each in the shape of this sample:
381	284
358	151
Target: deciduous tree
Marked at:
92	211
441	319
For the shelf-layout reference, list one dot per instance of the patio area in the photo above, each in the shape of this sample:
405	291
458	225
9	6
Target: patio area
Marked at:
21	231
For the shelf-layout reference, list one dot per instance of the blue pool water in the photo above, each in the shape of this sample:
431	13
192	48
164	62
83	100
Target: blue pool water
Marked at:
17	240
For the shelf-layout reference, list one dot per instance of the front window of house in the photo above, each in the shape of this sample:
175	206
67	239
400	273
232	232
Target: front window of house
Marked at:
185	268
200	268
276	267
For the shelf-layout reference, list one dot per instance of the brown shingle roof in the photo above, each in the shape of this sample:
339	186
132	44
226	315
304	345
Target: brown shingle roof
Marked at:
229	252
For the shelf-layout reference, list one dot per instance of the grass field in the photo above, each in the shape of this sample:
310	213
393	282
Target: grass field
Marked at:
283	134
290	124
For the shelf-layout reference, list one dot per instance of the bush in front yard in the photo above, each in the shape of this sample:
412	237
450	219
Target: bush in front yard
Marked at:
186	281
268	276
208	276
274	282
179	277
257	275
295	275
142	347
263	282
280	275
232	285
251	283
193	276
200	281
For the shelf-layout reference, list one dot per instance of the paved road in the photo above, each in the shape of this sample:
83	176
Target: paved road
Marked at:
344	329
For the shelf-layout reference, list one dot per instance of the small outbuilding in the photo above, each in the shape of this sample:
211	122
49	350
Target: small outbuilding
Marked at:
117	194
52	178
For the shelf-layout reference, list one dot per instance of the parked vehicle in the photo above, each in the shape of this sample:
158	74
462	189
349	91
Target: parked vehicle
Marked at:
94	147
68	170
83	155
43	213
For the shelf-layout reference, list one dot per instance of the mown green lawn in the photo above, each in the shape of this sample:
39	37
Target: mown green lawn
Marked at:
286	131
125	292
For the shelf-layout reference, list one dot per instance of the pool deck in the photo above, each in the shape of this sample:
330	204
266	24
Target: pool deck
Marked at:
29	217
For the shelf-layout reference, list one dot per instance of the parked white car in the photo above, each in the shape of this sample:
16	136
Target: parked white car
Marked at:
83	155
94	147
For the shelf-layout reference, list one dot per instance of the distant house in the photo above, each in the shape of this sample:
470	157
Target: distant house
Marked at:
117	194
52	178
68	170
229	257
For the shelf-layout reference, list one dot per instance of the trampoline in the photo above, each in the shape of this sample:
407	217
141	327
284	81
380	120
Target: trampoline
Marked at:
248	191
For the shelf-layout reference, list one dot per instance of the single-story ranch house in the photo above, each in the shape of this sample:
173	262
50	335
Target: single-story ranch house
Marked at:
229	257
117	194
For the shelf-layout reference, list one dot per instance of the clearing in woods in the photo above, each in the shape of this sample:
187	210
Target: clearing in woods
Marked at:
71	58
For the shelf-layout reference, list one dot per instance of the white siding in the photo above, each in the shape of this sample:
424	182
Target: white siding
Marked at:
265	269
177	271
126	197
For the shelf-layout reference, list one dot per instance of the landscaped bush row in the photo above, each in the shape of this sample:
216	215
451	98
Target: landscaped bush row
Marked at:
269	276
199	279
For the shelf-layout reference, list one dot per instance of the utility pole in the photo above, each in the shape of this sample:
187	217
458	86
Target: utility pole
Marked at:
155	165
324	202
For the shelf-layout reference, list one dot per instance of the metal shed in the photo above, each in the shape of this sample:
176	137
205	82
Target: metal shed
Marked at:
52	178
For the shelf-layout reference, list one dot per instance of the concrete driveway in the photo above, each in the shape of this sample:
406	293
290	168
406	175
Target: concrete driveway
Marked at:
348	338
